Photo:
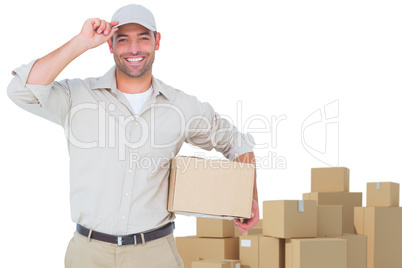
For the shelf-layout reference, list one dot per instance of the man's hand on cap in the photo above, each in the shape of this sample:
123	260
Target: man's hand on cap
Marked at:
95	32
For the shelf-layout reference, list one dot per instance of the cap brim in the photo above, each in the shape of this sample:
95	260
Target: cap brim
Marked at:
146	25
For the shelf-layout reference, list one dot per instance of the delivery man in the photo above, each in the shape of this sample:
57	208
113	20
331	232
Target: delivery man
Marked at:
114	125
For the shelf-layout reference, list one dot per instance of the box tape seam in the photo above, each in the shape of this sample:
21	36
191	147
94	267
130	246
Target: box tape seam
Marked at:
378	187
301	206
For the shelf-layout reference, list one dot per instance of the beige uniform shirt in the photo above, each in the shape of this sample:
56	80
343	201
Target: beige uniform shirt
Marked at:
119	165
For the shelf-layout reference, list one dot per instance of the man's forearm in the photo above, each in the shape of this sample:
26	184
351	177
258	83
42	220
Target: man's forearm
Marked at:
250	158
94	33
46	69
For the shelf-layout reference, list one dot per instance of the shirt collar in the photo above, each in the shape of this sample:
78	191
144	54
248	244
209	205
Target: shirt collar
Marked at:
108	81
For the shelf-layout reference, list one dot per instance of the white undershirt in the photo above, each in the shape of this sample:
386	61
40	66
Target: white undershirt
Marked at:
137	100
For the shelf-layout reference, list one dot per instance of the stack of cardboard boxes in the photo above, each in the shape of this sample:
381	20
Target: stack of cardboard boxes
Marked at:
215	241
335	243
328	228
330	186
309	233
381	222
217	245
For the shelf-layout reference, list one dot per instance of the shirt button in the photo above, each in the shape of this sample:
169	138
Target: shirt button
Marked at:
136	123
123	218
126	194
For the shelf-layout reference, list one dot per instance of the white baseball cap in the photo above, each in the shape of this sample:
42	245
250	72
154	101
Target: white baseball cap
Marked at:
135	14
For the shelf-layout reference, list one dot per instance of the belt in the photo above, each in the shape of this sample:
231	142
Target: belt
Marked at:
124	240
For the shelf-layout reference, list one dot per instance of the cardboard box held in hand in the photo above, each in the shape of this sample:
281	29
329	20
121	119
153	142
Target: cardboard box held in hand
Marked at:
213	187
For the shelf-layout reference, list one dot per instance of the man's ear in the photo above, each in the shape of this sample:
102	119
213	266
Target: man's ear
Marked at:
158	40
110	43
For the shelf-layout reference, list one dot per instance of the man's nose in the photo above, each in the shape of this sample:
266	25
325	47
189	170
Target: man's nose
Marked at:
134	47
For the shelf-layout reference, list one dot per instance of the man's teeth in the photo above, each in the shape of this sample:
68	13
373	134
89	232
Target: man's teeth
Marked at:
135	59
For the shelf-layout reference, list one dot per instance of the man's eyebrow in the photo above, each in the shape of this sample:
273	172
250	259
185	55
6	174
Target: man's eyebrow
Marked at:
121	35
144	33
140	34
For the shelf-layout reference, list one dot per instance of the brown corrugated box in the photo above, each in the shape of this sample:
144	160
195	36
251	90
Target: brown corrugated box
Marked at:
216	264
290	218
219	228
334	179
192	248
357	250
329	221
248	250
382	194
316	253
209	264
197	185
383	228
254	231
271	252
261	251
347	200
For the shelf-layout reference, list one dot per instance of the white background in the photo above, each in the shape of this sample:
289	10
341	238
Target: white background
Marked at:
277	57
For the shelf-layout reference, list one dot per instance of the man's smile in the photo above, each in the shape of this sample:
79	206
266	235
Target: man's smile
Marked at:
134	59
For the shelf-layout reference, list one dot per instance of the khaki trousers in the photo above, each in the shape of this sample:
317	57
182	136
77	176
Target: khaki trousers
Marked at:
90	253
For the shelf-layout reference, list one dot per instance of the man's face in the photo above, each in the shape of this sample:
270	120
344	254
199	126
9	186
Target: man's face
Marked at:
133	47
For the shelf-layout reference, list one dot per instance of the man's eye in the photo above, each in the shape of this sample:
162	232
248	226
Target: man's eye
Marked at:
144	38
122	40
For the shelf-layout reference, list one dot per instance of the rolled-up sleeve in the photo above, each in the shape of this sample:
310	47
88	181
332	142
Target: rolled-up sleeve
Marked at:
208	130
48	101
